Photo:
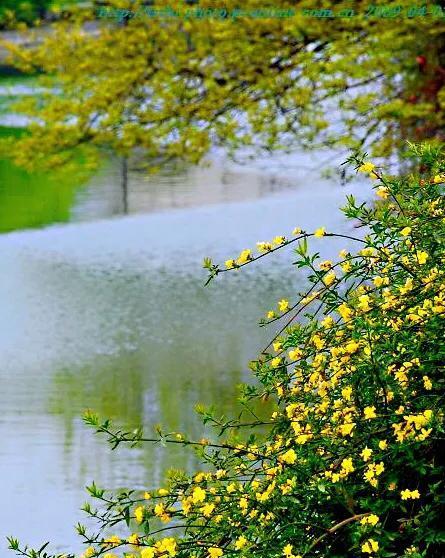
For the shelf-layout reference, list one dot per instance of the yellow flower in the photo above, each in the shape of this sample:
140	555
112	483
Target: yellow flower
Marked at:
427	383
89	552
207	510
367	252
264	246
303	438
270	315
370	546
320	232
278	240
421	257
240	542
230	264
439	178
327	264
366	167
383	444
347	466
114	540
139	514
287	550
378	281
379	468
318	341
283	305
133	539
215	552
295	354
382	192
310	297
344	311
409	494
289	457
167	545
244	257
277	346
364	303
346	393
198	495
147	495
243	504
352	347
162	492
405	494
186	506
159	509
327	322
424	433
369	413
297	231
329	278
371	519
366	454
405	231
161	512
275	362
231	488
369	474
347	428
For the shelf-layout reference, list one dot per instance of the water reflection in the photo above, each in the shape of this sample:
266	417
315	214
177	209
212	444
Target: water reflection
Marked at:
142	348
33	200
122	187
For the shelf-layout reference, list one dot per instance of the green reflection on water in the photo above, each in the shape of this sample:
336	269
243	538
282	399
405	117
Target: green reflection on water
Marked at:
200	357
133	391
32	200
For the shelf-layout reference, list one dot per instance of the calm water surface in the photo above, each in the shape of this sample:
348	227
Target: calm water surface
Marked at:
109	312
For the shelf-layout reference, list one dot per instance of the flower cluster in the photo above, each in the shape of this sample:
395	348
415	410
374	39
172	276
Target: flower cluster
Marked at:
262	248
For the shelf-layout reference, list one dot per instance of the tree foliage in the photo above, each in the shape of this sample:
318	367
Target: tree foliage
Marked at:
174	86
351	460
26	11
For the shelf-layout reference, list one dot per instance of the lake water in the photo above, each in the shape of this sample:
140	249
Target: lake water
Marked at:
104	307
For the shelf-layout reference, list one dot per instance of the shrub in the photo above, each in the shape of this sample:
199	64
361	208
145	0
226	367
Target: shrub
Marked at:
351	462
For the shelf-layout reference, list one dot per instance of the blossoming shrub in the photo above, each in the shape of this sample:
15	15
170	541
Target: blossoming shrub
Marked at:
351	462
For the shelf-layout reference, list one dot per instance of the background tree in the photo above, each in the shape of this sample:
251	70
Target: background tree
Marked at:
27	11
174	86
